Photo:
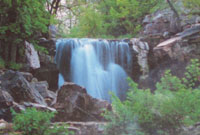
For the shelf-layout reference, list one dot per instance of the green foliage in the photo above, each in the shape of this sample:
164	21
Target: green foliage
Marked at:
2	63
193	5
22	20
14	66
174	103
90	23
192	75
33	122
112	17
41	49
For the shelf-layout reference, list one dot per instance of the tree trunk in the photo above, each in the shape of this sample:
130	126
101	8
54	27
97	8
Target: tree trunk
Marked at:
6	52
13	54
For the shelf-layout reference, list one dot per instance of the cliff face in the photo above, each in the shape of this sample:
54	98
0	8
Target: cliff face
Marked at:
170	48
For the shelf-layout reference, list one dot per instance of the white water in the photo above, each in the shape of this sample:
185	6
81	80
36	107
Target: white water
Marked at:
94	64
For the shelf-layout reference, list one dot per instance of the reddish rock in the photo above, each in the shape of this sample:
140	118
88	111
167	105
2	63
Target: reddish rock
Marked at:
73	103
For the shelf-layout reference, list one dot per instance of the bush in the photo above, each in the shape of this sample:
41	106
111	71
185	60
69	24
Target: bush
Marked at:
15	66
33	122
174	103
2	63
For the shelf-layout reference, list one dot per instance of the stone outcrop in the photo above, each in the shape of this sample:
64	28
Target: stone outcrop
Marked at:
86	128
19	88
142	49
182	46
42	88
32	56
19	91
73	103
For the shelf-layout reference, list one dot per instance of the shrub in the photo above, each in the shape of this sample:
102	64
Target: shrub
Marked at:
33	122
2	63
15	66
174	103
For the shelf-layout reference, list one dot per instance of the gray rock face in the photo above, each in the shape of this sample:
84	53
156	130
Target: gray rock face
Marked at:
42	87
52	31
182	46
32	56
163	21
142	49
73	103
19	88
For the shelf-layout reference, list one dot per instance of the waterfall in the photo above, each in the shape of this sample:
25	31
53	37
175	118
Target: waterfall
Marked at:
98	65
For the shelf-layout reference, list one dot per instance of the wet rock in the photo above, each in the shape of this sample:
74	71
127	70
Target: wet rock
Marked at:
73	103
19	88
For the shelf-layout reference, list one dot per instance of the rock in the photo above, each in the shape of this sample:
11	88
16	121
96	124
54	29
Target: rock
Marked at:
157	23
52	31
86	128
6	102
32	56
38	107
192	130
142	49
50	45
28	76
48	73
45	59
42	87
19	88
5	126
73	103
164	20
180	47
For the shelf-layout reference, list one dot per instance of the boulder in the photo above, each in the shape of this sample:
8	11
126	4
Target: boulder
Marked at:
7	102
19	88
73	103
5	127
28	76
42	87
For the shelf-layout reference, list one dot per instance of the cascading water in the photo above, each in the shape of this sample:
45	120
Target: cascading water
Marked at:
97	65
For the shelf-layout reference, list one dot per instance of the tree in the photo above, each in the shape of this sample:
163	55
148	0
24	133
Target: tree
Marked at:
21	20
